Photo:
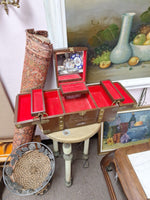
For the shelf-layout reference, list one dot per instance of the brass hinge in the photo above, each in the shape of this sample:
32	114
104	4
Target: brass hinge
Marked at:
61	123
101	113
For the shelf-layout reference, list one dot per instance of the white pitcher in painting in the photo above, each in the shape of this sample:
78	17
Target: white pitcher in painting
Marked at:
122	51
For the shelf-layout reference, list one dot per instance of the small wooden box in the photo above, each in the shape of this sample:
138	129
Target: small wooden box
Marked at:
74	103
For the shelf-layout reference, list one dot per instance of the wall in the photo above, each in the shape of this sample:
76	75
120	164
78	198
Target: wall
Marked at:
12	42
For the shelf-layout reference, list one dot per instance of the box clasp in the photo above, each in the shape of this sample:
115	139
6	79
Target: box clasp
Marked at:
82	113
71	49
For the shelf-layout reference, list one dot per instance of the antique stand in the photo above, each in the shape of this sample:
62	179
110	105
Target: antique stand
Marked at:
69	136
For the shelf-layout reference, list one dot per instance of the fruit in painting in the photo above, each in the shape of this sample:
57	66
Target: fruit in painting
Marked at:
148	36
133	61
147	42
103	60
104	64
145	29
139	39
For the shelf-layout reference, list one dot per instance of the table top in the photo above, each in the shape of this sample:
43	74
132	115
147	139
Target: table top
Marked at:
127	176
75	135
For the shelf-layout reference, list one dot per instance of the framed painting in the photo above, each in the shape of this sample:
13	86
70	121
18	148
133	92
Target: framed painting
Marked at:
129	127
104	27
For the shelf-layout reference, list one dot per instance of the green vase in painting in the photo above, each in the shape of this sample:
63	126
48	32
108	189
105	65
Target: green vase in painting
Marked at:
122	51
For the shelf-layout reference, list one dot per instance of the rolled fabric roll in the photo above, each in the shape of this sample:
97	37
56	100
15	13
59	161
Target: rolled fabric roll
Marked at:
38	55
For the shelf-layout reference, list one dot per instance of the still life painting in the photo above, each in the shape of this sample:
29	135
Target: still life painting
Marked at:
117	35
129	127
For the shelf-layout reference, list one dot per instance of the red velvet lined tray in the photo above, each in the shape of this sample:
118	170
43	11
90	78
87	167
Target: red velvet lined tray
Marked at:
70	77
100	95
127	97
24	108
53	103
84	102
73	88
112	91
102	98
37	102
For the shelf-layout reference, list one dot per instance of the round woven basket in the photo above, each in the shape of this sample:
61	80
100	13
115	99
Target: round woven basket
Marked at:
29	168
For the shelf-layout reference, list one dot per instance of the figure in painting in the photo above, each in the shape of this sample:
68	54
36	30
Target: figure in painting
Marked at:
132	121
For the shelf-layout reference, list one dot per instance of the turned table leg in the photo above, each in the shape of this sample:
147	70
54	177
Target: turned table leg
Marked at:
67	150
86	149
55	148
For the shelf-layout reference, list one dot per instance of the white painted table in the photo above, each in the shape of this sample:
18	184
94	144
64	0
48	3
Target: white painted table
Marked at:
69	136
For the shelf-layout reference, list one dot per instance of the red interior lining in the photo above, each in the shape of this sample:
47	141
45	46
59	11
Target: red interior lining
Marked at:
84	102
128	99
112	90
84	65
100	96
37	100
52	103
69	82
24	108
73	87
68	77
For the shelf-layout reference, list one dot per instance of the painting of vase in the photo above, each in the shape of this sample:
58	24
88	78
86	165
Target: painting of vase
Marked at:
117	36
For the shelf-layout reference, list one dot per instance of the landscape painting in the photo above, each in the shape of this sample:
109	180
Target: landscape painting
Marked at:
129	127
117	34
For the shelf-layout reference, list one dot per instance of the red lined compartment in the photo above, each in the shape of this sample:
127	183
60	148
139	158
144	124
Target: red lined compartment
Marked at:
62	74
70	77
84	102
127	98
84	65
112	91
100	96
74	88
24	108
37	101
53	104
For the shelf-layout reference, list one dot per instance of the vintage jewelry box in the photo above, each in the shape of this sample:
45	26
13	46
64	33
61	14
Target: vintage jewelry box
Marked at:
74	103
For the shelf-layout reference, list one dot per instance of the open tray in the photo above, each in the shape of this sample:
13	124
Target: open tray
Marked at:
73	88
112	91
108	107
37	102
63	112
68	78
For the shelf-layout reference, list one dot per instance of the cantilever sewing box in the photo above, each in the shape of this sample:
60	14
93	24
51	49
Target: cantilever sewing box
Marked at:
74	103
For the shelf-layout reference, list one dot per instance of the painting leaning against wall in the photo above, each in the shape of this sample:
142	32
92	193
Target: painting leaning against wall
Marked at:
117	35
129	127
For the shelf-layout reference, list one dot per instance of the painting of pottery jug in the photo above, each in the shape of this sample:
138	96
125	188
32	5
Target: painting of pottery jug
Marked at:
122	51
